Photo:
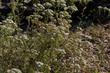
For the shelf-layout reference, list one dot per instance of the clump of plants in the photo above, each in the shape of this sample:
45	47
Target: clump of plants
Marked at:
35	50
35	37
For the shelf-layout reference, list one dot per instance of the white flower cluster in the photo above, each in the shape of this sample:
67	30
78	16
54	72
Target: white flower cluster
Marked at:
8	27
14	70
48	12
39	7
39	64
9	23
47	5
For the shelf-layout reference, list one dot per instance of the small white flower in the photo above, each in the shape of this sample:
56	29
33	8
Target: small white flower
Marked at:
40	7
100	7
10	21
61	1
34	52
27	1
63	5
3	27
52	0
24	36
39	64
72	9
38	72
14	70
47	5
49	12
61	50
105	8
66	34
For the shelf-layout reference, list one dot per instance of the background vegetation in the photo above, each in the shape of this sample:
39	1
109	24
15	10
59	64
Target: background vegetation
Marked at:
54	36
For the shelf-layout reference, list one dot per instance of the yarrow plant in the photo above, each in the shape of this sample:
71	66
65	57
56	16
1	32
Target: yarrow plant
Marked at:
48	45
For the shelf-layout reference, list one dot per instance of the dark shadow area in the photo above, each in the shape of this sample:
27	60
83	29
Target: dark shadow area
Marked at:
88	14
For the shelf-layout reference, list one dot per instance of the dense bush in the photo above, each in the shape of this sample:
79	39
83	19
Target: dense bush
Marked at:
35	36
79	12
